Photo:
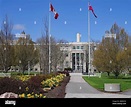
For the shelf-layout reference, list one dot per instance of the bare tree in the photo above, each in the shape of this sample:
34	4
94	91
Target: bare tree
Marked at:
56	54
44	53
6	45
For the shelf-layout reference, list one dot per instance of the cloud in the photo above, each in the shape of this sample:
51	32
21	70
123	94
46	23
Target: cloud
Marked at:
18	27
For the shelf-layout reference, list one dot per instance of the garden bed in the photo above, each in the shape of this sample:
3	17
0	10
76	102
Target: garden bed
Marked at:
34	86
59	91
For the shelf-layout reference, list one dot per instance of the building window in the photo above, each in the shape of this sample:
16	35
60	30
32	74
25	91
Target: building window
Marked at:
74	47
78	47
82	47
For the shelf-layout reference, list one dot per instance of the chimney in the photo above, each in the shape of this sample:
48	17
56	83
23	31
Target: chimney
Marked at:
78	37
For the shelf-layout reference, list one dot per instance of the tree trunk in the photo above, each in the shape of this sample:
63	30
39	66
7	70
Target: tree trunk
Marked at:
116	74
108	74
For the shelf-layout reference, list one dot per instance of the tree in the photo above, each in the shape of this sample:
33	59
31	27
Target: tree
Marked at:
111	56
56	53
6	45
59	54
44	53
127	56
26	53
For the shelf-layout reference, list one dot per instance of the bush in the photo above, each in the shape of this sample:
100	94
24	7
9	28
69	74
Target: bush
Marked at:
129	72
11	85
68	69
34	83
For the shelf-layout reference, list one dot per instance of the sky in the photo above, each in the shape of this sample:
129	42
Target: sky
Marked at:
30	16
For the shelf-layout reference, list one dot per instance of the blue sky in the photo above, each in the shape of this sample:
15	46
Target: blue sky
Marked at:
29	15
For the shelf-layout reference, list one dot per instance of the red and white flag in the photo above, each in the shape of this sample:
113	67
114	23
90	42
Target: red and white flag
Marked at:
53	10
91	8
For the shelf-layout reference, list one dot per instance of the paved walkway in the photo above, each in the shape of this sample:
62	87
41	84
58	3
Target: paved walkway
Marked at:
78	88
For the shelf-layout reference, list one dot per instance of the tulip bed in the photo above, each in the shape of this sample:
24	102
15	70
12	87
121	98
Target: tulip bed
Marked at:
29	86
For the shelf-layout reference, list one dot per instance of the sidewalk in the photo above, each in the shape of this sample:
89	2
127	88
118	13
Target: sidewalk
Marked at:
78	88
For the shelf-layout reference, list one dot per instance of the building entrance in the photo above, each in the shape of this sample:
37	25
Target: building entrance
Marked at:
77	62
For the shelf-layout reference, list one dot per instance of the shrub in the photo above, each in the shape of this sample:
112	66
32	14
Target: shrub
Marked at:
11	85
34	83
68	69
64	72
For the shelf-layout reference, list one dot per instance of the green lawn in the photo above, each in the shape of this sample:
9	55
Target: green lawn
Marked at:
98	83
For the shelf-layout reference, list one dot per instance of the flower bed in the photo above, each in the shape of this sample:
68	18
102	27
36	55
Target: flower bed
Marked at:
53	82
59	91
32	95
33	87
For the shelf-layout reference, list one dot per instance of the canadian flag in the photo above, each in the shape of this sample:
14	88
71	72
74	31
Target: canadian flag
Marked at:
53	10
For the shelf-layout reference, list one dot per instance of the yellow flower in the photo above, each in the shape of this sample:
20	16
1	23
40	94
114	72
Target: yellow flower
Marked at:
36	95
23	95
19	95
26	88
28	95
32	96
41	95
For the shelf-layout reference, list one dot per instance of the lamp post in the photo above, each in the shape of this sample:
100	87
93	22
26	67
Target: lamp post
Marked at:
28	67
19	64
5	59
127	65
110	63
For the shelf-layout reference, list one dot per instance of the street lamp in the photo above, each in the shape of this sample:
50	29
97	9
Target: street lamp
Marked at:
28	67
5	59
19	64
110	64
127	60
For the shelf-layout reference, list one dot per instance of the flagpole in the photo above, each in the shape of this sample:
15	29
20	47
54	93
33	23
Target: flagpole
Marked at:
89	69
49	38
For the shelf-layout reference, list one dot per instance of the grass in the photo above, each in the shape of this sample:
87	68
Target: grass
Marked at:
98	83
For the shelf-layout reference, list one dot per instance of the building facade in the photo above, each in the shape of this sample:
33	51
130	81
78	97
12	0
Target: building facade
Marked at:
77	55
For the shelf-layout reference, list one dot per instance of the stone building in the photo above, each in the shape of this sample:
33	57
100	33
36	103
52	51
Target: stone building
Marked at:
77	55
